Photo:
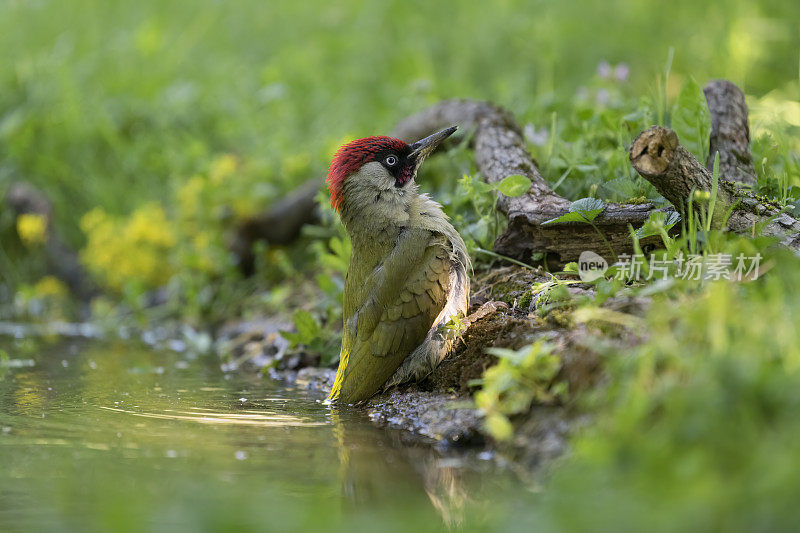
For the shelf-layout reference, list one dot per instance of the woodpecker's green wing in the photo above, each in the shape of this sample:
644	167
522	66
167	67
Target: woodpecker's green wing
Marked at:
401	301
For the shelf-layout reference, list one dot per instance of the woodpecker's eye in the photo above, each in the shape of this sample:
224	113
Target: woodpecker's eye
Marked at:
391	160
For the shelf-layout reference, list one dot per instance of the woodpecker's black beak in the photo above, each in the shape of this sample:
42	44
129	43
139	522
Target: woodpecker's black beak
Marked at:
423	148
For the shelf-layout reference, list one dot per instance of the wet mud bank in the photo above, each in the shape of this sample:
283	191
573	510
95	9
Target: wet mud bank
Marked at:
511	307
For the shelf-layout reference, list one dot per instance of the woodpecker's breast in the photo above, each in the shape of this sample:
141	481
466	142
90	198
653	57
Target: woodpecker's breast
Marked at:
367	253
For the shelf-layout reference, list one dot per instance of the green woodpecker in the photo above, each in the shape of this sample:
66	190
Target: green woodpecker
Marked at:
407	276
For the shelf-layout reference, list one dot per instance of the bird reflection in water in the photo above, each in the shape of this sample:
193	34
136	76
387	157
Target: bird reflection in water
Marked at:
367	461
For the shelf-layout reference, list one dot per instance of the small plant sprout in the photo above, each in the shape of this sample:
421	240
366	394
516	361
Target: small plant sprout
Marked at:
659	223
520	378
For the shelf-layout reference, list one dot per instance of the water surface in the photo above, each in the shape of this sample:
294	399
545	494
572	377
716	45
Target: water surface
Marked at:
98	436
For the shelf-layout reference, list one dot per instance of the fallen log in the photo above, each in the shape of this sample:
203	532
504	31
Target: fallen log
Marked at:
281	224
499	152
659	158
730	132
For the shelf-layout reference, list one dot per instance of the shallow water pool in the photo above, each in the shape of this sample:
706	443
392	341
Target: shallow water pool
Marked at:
98	436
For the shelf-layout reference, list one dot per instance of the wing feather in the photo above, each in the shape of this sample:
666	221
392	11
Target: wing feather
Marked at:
374	355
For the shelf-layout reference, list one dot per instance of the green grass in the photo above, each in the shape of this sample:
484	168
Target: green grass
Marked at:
132	106
697	428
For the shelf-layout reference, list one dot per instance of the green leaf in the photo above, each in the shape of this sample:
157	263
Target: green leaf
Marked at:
623	188
329	285
692	121
340	247
339	259
515	356
514	185
478	230
566	217
672	218
307	327
588	207
499	427
293	338
657	220
583	210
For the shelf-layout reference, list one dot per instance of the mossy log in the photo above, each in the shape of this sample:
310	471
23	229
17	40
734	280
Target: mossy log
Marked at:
280	224
659	158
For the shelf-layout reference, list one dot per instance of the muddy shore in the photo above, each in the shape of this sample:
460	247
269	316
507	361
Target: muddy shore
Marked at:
505	313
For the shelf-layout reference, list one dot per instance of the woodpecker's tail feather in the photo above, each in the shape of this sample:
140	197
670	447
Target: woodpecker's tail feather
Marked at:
336	390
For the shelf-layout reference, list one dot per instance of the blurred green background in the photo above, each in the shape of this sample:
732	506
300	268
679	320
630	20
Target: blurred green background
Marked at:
108	103
166	121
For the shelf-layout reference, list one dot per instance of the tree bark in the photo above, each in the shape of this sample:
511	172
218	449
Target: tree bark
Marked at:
730	133
677	174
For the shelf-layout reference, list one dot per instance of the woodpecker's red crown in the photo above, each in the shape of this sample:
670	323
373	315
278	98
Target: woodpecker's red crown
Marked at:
353	155
398	158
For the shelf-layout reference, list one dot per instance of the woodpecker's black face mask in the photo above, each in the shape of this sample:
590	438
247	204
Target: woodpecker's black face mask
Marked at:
399	164
403	164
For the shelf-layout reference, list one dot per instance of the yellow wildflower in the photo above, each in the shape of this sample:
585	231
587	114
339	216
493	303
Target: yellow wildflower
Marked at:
50	286
202	252
189	196
148	225
32	229
223	167
93	219
137	249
